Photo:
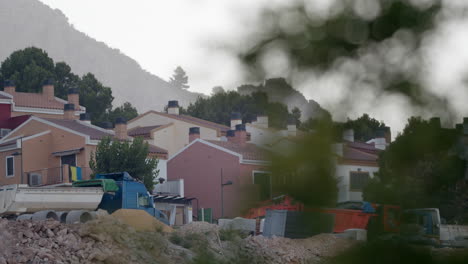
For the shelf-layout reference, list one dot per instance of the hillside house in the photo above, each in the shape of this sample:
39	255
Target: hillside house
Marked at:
40	150
169	131
356	163
43	104
233	166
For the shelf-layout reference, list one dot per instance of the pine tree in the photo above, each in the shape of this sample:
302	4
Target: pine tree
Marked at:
179	79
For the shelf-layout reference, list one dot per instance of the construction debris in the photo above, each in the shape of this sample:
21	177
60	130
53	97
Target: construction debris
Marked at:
285	250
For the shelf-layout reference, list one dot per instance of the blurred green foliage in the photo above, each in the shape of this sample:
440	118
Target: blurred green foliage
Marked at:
419	168
119	156
307	172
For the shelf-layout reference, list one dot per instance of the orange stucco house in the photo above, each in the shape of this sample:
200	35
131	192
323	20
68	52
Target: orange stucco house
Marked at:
38	149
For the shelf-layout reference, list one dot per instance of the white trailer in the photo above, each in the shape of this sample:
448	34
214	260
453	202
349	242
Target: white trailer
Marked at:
64	203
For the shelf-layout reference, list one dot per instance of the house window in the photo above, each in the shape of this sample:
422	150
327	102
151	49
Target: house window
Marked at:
263	179
10	166
358	180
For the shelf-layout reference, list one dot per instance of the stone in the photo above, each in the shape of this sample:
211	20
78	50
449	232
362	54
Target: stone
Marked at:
50	233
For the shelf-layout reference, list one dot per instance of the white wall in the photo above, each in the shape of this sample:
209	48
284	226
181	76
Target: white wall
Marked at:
343	175
263	136
162	167
175	137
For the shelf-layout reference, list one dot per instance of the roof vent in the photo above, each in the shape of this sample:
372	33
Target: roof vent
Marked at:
69	107
194	130
48	82
120	120
73	91
240	127
173	103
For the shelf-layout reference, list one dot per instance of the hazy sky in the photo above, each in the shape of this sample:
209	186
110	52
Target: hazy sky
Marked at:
163	34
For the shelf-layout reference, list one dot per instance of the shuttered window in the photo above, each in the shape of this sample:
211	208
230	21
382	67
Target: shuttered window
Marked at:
358	180
10	166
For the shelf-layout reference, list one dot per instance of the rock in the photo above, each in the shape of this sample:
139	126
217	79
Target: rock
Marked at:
50	233
28	233
62	232
42	242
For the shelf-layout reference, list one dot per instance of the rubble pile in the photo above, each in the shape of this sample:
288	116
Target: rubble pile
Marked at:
198	228
285	250
108	239
105	240
47	242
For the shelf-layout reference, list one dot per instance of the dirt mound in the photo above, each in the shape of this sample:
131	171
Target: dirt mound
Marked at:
141	220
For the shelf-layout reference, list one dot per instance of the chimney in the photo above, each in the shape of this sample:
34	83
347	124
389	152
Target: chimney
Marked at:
240	135
73	97
121	128
262	121
48	89
380	142
194	133
69	111
235	119
9	87
86	117
348	135
388	134
107	125
292	129
230	135
173	107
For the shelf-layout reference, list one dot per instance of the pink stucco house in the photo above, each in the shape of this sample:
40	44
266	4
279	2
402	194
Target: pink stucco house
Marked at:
205	165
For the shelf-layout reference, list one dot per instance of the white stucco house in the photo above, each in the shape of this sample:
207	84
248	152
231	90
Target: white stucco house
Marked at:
356	163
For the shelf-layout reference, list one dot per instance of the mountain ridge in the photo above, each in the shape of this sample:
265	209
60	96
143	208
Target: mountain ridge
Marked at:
26	23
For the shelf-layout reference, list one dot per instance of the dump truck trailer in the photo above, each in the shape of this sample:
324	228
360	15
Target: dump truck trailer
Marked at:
426	222
76	203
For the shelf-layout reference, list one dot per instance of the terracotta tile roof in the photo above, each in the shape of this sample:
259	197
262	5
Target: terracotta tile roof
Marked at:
37	100
142	131
355	154
92	131
359	151
370	148
189	119
156	149
249	151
